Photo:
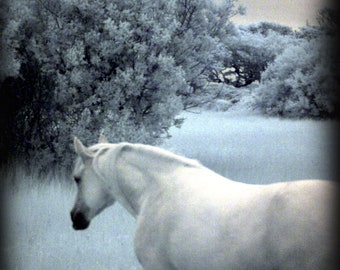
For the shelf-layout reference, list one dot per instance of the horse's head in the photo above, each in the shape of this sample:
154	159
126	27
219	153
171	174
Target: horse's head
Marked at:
92	196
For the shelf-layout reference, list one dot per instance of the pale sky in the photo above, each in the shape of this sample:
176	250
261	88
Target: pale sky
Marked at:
293	13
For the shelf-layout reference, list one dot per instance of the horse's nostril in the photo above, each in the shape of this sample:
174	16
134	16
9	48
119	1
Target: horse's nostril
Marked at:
79	221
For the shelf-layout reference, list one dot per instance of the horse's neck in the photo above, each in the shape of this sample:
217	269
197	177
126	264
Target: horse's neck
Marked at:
143	170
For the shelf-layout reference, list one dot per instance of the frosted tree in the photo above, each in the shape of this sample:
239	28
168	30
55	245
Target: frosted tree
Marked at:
303	80
26	90
197	44
117	65
300	82
92	66
251	49
125	68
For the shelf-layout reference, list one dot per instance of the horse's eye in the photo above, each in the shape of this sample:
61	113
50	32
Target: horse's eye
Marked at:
77	179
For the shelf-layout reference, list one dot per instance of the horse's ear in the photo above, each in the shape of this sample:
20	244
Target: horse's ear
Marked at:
102	139
82	150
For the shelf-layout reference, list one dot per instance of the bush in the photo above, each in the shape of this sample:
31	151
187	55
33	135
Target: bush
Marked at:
300	83
81	67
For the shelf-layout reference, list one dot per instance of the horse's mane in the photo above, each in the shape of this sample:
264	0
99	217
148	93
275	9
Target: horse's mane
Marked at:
152	151
161	154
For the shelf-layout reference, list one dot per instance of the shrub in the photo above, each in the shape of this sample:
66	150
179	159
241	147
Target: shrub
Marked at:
300	83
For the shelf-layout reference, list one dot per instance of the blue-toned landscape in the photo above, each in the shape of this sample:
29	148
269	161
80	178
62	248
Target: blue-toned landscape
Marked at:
251	149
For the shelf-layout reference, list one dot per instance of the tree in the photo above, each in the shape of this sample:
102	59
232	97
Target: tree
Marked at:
23	87
252	49
126	68
92	66
328	19
197	44
267	28
300	83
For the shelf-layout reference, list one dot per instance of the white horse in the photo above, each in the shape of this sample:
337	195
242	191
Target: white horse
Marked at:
189	217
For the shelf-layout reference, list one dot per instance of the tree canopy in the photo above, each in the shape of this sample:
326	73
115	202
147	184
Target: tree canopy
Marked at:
128	68
81	67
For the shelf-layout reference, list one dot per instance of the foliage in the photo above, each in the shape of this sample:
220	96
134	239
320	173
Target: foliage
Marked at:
81	67
127	68
267	28
328	19
251	49
303	81
300	82
197	45
296	70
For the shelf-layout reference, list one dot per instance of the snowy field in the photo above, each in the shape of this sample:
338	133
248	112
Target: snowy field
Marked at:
249	148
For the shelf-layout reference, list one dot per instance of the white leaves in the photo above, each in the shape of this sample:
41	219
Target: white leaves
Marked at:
299	83
110	27
118	66
74	56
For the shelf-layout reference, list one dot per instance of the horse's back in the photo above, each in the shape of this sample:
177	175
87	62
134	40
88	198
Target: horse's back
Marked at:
222	224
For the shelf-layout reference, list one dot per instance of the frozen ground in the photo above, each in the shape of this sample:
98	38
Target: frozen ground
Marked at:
248	148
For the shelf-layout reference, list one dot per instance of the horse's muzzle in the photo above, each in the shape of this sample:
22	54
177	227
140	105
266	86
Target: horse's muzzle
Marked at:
79	221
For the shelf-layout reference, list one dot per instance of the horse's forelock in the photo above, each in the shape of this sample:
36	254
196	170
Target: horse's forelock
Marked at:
96	149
